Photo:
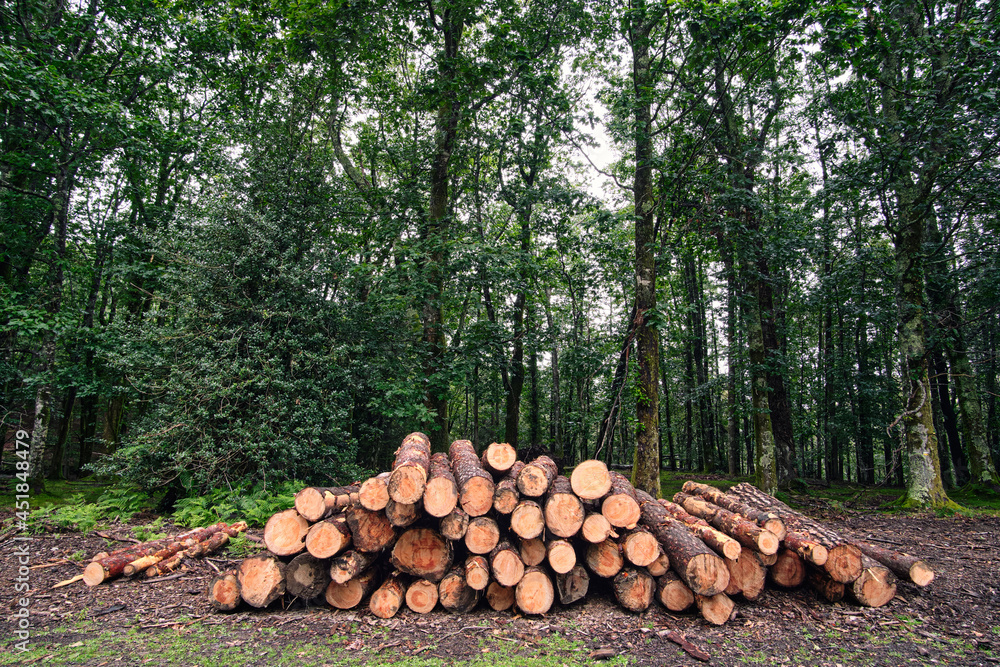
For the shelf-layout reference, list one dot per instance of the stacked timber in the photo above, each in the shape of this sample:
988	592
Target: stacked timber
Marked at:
465	528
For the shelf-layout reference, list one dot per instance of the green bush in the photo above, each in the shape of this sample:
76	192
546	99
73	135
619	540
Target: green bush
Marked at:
253	504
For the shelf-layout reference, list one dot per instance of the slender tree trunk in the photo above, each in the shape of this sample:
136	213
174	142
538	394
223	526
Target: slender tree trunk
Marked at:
555	411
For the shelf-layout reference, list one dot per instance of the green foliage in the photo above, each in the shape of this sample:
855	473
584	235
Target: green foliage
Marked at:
75	514
254	504
149	531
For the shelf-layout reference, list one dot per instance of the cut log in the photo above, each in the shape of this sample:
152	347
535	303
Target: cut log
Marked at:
573	585
475	485
716	609
561	556
535	593
328	538
634	589
506	495
482	535
454	592
422	596
825	585
441	493
536	477
454	525
498	458
721	543
533	551
767	560
306	576
350	564
699	567
316	503
564	513
374	492
596	528
499	597
591	480
401	515
410	469
746	575
621	507
673	593
506	564
807	549
789	571
197	550
604	559
904	566
640	547
224	591
388	598
370	530
875	586
747	533
659	567
349	594
262	579
477	572
285	533
423	553
187	548
764	519
113	565
527	520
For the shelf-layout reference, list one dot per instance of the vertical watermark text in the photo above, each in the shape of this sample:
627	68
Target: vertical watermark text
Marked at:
22	541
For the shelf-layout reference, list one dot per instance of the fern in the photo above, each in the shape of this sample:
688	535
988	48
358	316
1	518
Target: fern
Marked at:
255	505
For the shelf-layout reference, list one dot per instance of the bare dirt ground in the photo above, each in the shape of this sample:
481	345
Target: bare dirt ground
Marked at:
954	621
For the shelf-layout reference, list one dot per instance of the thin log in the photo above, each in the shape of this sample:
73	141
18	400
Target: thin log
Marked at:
349	594
906	567
716	609
441	493
527	520
876	585
604	559
807	549
533	551
747	533
506	496
640	547
534	594
350	564
477	572
262	579
410	469
621	506
454	592
498	458
316	503
198	550
422	596
388	598
564	513
561	556
328	538
454	526
482	535
402	515
285	533
721	543
224	591
506	564
634	589
374	492
659	567
114	565
789	571
536	477
673	593
764	519
475	485
596	528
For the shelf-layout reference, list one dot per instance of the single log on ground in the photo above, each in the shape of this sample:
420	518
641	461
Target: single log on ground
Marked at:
224	591
747	533
113	565
374	492
423	553
746	575
621	506
536	477
475	485
826	586
499	597
441	493
764	519
454	592
349	594
328	538
498	458
482	535
807	549
477	572
262	579
596	528
591	480
561	556
699	567
350	564
640	547
388	598
410	469
533	551
316	503
401	515
370	530
422	596
673	593
306	576
659	567
716	609
455	524
506	564
634	589
721	543
573	585
906	567
197	550
505	495
527	520
564	513
604	559
535	593
789	571
875	586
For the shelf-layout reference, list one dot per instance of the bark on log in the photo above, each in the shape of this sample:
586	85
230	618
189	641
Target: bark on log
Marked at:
482	535
224	591
316	503
660	566
596	528
499	597
673	593
403	515
328	538
906	567
747	575
561	556
477	572
789	571
640	547
498	458
370	531
349	565
285	533
198	550
747	533
423	553
454	525
113	565
876	585
573	585
388	598
536	477
262	579
454	592
506	564
716	609
374	492
527	520
535	593
475	485
764	519
634	589
441	493
506	495
807	549
721	543
410	469
306	576
349	594
422	596
564	513
826	586
591	480
604	559
533	551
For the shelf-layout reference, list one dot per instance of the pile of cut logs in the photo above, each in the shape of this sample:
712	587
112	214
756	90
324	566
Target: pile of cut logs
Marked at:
453	528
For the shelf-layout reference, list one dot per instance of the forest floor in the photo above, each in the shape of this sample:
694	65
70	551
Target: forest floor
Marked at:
954	621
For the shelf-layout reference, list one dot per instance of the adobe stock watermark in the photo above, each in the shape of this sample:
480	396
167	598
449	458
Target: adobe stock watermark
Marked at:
22	542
